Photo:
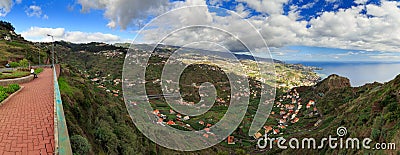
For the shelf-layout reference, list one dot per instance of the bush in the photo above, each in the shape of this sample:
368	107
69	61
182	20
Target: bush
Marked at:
375	134
6	91
38	70
393	107
14	64
12	88
23	63
80	145
240	152
3	95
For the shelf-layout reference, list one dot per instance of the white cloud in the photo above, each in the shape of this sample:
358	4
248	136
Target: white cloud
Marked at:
5	7
360	1
241	10
267	6
34	10
124	12
40	35
345	28
332	1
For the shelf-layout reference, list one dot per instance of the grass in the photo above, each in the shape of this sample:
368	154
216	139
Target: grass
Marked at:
65	87
14	74
17	44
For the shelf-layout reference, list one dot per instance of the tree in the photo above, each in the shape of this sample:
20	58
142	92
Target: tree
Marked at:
24	63
7	25
80	145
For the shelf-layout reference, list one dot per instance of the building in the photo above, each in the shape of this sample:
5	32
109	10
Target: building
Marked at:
311	102
295	120
257	135
318	122
156	112
268	129
231	140
201	122
170	122
276	131
186	118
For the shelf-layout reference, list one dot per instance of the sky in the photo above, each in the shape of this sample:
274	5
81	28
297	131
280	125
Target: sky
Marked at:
316	30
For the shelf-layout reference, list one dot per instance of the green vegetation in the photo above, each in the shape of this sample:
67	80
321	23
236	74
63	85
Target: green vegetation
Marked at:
3	95
39	70
14	64
100	118
6	26
13	74
21	63
6	91
80	144
16	48
96	114
368	111
99	123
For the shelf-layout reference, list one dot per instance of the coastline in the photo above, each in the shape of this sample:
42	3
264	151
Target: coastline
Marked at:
359	73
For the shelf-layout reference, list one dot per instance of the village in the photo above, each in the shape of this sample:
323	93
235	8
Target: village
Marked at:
287	110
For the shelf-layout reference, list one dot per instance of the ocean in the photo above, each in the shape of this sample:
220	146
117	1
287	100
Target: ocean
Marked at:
359	73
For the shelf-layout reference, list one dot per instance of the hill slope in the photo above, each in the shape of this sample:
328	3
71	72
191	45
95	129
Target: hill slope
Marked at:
13	47
369	111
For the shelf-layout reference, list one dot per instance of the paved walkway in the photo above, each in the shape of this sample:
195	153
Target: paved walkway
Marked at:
27	119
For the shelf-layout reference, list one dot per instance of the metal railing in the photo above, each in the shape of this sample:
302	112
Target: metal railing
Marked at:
61	137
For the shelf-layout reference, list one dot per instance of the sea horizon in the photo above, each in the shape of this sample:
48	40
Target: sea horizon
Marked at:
359	72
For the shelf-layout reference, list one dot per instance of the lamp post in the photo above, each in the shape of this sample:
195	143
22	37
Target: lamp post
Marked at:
39	57
52	48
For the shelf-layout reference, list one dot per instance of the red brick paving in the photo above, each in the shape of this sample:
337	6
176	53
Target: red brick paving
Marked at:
27	119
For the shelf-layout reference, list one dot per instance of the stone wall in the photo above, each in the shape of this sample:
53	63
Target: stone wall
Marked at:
25	79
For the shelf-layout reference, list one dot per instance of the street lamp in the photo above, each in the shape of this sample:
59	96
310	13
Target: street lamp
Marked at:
39	57
52	48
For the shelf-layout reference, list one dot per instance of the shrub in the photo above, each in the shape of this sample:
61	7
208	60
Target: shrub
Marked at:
240	152
12	88
80	145
3	95
23	63
14	64
375	134
393	107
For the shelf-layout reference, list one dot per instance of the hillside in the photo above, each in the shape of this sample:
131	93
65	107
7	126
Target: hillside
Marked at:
367	111
98	121
13	47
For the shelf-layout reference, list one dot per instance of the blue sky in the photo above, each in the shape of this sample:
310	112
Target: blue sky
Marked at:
317	30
